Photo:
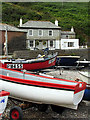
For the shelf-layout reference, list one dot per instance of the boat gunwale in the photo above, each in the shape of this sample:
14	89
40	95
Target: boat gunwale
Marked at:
31	62
37	83
74	87
39	75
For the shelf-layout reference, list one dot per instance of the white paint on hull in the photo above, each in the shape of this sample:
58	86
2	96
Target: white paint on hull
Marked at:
43	95
3	104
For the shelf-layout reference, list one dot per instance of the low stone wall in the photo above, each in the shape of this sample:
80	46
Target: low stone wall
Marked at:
83	53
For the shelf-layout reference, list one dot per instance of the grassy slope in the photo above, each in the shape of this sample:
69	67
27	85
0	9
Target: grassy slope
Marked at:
68	14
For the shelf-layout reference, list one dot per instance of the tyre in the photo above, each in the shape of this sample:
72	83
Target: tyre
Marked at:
42	107
16	113
57	109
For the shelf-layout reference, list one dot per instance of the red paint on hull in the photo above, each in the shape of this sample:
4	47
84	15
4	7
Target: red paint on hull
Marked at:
76	88
36	65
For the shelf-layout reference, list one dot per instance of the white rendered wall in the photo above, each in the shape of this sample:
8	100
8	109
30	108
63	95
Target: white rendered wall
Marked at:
57	44
64	43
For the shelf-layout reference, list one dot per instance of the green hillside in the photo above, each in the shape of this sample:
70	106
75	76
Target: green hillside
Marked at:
68	14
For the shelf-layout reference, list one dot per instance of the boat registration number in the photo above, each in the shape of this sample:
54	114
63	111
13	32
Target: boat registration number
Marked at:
51	61
13	66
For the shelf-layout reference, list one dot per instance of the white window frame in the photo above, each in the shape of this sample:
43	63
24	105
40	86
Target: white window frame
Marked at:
49	31
29	32
41	33
32	43
70	43
50	43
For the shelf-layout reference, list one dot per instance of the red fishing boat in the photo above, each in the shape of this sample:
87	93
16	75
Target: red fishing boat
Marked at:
31	64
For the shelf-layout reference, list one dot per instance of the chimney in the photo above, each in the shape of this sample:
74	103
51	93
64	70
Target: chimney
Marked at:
56	22
72	29
20	22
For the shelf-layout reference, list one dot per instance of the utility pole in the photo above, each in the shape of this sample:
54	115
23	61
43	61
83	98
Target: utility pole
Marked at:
5	43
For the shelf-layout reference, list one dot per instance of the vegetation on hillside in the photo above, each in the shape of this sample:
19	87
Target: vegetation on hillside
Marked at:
68	14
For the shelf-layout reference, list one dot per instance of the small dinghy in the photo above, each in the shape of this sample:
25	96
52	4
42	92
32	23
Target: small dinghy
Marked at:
3	100
85	76
40	89
43	62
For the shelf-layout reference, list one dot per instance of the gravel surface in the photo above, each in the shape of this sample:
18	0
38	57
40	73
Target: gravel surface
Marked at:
32	113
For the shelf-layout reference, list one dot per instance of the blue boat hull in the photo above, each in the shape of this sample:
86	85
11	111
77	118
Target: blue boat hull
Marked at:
87	94
66	61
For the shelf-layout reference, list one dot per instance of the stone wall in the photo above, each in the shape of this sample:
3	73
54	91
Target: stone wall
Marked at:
83	53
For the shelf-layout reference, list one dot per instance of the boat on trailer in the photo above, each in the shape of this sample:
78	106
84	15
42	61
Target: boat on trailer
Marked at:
43	62
85	76
42	90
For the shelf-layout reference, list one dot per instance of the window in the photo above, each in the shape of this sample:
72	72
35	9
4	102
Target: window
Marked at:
31	32
40	32
51	43
31	43
50	33
66	36
70	44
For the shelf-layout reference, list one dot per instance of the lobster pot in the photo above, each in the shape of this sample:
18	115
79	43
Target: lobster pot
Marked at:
3	101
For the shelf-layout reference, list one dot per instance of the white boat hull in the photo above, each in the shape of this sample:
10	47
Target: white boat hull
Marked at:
3	103
43	95
3	100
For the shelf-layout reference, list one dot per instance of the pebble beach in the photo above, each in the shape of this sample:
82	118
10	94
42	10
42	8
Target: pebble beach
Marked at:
32	113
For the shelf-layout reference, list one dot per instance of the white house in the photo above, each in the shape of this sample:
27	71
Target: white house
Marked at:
68	40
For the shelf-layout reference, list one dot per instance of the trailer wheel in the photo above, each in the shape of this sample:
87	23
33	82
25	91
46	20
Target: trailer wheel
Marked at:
42	107
57	109
16	113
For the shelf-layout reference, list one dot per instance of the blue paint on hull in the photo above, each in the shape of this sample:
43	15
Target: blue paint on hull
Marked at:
87	95
63	61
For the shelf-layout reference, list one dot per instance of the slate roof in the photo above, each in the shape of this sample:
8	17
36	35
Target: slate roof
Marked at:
67	33
10	28
39	24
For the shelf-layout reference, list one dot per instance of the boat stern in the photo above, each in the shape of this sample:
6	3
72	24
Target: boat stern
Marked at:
79	92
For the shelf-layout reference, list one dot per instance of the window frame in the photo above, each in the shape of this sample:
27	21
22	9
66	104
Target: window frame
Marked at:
70	44
31	44
51	43
41	32
29	32
49	32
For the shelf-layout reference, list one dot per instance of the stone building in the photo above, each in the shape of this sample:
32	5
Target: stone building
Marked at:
43	34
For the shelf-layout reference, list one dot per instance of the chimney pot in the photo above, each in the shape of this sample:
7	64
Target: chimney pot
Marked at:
72	29
20	22
56	22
